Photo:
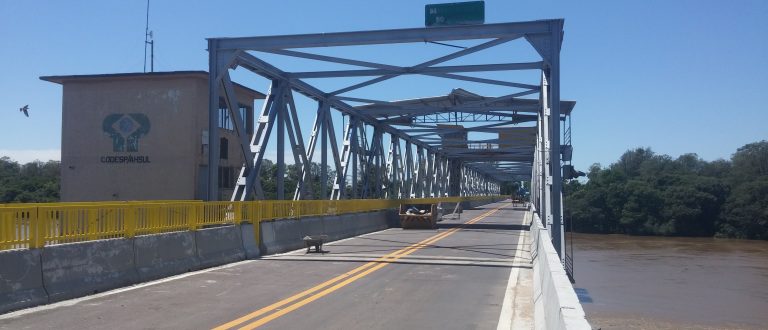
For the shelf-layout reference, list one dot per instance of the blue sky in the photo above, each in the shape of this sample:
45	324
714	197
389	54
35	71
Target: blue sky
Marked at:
676	76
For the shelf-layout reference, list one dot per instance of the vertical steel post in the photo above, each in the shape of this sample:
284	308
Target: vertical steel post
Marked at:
354	150
380	170
546	210
281	146
558	239
409	169
324	156
418	181
213	121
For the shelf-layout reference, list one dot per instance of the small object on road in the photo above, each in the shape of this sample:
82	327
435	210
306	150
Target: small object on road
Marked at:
25	110
316	241
418	216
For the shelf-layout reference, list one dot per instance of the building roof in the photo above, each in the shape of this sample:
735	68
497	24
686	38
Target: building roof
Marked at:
135	75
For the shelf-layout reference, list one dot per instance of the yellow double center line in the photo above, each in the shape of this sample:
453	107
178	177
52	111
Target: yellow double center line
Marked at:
337	282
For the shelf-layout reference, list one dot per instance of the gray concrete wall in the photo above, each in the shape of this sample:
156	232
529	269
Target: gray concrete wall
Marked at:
21	280
59	272
162	255
78	269
219	245
250	244
556	305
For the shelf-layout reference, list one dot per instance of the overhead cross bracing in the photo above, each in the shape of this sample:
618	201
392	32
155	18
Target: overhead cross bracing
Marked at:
498	121
512	148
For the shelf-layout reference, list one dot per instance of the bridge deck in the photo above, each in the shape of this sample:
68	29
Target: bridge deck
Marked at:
472	272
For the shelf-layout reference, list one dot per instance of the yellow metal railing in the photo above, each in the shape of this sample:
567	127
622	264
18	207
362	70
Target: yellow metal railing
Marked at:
36	225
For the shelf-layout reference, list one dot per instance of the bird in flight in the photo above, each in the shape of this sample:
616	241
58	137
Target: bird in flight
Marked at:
25	110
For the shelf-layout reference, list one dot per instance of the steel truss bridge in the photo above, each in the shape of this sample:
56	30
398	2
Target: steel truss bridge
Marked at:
463	143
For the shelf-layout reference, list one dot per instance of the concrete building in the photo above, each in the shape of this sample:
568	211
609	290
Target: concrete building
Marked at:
144	136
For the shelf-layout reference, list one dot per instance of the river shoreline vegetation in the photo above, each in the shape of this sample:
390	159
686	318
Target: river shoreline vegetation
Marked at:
645	193
39	182
33	182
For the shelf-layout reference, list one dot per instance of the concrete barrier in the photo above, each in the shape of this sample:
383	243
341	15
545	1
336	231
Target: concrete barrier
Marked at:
164	255
219	245
311	226
335	227
393	218
280	235
371	221
339	226
556	305
360	222
380	222
21	280
286	234
250	244
79	269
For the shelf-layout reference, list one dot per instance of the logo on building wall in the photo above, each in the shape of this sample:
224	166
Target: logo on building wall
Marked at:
125	130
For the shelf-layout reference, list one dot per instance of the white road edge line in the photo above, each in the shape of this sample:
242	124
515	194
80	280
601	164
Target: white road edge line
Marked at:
507	312
75	301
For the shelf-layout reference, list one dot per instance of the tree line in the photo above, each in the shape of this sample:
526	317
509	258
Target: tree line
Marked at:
293	173
39	182
645	193
27	183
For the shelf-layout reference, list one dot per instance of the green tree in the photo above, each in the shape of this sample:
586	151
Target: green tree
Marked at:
32	182
745	214
292	174
648	194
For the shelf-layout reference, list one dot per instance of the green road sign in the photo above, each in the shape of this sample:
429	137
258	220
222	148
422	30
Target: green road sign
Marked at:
458	13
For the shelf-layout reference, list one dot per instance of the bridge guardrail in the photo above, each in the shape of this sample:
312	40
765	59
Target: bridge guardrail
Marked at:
36	225
556	305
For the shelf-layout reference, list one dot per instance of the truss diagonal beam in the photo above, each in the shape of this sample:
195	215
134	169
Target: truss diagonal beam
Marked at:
409	71
438	60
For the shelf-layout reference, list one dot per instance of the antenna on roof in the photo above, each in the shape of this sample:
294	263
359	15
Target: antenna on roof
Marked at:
149	40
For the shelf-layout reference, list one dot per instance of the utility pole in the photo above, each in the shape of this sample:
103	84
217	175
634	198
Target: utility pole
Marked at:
149	40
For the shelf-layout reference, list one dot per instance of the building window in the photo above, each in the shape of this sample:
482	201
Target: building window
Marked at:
227	177
225	119
224	148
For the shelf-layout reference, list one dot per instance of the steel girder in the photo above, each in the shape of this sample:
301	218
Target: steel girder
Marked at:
417	161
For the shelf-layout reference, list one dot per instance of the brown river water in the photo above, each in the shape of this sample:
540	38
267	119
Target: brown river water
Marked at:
631	282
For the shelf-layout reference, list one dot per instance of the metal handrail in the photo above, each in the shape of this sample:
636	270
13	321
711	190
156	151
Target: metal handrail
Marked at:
24	226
